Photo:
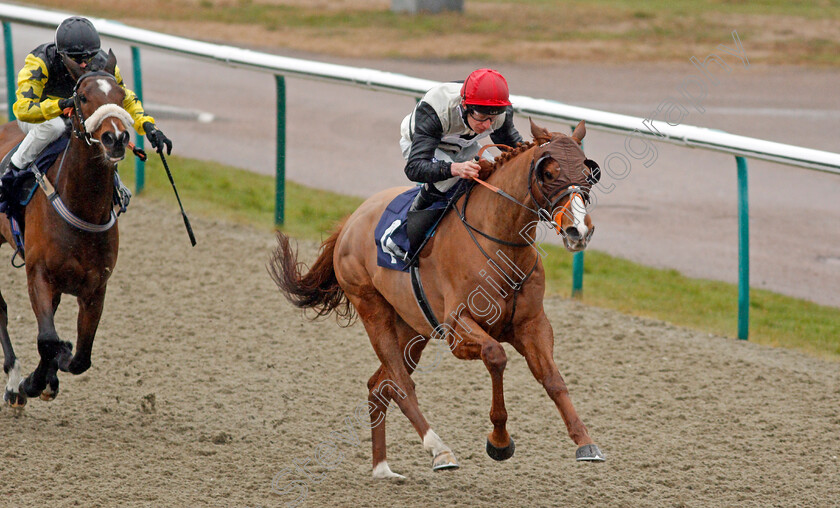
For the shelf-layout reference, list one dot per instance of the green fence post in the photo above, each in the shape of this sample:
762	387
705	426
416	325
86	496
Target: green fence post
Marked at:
11	81
577	267
139	166
577	275
280	181
743	251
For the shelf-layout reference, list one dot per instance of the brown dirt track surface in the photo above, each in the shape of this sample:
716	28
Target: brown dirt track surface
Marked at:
243	386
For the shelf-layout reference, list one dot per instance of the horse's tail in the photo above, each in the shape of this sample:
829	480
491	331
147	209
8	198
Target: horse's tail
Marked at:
318	289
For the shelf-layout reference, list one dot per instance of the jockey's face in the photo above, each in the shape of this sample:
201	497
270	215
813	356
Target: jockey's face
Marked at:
480	122
83	60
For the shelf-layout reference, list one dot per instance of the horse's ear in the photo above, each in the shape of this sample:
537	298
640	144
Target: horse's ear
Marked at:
580	132
75	69
111	64
540	134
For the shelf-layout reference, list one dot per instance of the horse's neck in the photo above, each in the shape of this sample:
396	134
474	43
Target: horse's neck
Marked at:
498	216
85	182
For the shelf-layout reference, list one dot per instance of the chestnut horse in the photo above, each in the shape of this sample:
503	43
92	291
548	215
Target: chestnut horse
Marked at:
478	275
75	252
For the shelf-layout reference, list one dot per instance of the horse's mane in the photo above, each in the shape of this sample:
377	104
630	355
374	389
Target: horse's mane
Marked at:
505	156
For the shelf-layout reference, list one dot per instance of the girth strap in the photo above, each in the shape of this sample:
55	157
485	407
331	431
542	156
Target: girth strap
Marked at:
422	300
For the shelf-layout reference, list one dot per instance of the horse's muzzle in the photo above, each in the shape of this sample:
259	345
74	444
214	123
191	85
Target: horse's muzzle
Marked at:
114	144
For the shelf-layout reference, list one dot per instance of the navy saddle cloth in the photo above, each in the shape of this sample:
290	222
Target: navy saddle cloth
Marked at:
409	233
20	186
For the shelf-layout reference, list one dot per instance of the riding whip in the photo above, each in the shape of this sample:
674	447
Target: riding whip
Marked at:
183	214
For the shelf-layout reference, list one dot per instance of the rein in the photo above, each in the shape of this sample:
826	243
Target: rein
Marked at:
543	214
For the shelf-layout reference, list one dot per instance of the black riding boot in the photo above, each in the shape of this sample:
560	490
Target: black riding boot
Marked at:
424	198
419	219
11	170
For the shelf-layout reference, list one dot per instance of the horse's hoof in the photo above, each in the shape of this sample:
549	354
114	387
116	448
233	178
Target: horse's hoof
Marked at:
64	356
501	453
445	460
14	400
50	392
77	366
383	472
589	453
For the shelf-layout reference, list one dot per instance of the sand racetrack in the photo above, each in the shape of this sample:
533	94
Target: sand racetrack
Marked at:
206	385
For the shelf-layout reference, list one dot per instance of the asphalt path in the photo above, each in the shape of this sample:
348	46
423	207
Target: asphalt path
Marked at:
680	212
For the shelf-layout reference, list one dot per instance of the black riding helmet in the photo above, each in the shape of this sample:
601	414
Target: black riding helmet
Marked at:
77	38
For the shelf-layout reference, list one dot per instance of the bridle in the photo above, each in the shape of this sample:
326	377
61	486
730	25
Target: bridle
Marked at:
81	132
52	194
542	212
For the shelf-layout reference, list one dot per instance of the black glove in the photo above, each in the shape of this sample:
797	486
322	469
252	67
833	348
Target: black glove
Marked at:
156	138
65	103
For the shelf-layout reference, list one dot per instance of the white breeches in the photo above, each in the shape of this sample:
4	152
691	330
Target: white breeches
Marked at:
38	137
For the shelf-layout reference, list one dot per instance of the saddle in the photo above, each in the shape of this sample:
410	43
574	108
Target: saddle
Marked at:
18	187
410	231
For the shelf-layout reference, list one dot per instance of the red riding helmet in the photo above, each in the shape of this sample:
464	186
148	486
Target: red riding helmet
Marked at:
485	87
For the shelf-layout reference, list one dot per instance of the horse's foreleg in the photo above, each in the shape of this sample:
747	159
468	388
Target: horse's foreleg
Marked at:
535	341
51	350
469	342
90	312
11	365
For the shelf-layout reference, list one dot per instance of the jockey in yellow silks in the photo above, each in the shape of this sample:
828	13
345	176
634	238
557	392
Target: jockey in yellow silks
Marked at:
45	90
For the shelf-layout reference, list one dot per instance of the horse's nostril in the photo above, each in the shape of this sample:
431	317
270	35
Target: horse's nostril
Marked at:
124	138
107	139
572	233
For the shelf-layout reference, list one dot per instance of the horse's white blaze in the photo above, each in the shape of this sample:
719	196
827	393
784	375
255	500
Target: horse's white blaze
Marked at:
15	378
383	471
434	444
104	85
115	126
579	213
108	111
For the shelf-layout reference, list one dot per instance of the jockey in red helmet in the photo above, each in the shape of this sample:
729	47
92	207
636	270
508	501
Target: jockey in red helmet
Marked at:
439	139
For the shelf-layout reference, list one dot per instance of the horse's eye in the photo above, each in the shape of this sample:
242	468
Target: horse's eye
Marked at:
82	98
548	175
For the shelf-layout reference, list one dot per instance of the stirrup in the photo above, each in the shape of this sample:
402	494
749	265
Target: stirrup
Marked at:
395	249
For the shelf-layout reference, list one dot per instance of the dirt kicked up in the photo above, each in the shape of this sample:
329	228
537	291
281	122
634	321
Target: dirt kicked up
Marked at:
208	389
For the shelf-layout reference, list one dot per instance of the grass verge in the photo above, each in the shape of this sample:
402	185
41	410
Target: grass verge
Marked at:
216	190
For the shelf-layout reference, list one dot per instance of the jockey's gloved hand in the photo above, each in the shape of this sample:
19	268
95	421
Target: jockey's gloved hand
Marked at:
65	103
156	138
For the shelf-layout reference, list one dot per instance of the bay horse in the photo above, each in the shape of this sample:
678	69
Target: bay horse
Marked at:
479	294
70	238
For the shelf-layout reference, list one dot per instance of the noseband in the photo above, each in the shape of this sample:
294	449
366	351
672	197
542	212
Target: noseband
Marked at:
81	132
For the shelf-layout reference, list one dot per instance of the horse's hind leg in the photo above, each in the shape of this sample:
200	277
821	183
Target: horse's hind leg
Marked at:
11	365
392	381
